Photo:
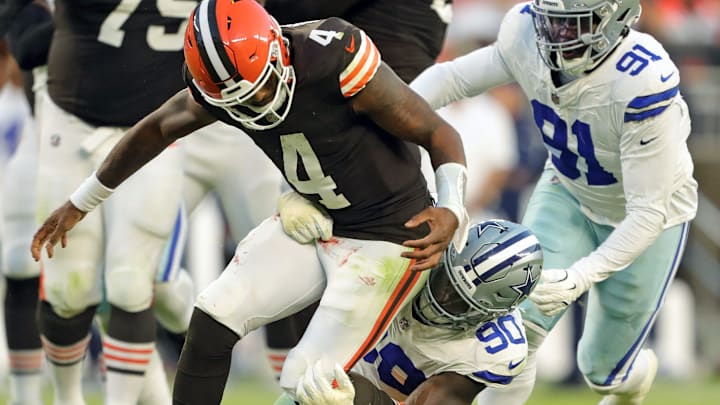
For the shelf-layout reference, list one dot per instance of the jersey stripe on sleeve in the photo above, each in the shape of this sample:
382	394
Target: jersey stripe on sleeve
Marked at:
361	69
644	107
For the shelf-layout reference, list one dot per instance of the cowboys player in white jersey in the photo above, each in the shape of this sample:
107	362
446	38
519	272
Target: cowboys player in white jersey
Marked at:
463	332
613	206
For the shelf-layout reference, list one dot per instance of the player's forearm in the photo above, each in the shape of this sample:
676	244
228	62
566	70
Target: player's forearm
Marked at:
367	393
629	240
139	145
464	77
177	117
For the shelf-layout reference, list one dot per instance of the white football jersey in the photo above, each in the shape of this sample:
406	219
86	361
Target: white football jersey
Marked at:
616	137
411	352
607	133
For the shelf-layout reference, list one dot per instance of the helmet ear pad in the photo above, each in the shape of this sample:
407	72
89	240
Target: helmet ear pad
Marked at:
495	271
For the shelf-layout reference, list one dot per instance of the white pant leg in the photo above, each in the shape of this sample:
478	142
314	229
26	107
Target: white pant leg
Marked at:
71	279
270	277
368	282
140	218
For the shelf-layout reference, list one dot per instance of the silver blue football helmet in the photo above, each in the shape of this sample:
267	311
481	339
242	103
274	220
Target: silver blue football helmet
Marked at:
574	36
495	271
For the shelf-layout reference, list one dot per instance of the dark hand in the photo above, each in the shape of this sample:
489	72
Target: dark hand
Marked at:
55	229
443	224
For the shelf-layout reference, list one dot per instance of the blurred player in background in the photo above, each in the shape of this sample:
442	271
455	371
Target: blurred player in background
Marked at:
613	207
102	59
461	334
410	36
351	118
29	41
409	33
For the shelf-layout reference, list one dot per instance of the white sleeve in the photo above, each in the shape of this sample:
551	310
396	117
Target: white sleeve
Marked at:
463	77
648	180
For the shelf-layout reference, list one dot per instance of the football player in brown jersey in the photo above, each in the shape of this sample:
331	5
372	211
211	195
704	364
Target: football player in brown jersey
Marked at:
343	129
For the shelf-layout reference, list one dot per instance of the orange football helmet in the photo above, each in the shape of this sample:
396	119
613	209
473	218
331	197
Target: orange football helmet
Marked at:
233	49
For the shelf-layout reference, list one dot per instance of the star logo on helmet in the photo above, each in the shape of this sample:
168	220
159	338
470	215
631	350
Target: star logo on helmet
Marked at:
523	289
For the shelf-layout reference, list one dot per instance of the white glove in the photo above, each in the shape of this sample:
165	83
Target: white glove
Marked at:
319	387
558	288
302	220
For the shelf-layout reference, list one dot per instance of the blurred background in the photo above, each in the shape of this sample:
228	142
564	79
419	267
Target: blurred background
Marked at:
685	335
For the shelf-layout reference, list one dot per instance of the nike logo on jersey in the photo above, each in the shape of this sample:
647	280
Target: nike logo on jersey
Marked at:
666	78
351	48
512	365
647	141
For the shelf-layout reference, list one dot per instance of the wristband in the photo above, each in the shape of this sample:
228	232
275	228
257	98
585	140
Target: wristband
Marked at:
90	194
450	179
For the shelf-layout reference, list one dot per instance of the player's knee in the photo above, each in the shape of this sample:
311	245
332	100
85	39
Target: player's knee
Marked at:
129	289
18	263
72	294
174	302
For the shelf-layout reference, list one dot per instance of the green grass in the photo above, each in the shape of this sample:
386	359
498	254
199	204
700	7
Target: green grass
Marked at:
250	392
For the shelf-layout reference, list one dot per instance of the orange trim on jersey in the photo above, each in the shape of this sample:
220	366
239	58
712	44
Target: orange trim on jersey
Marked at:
403	288
366	79
367	61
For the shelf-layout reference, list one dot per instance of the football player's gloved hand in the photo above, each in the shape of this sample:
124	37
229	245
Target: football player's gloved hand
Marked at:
558	288
302	220
321	387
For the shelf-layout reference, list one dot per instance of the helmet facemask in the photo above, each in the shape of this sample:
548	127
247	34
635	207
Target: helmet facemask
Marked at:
575	36
490	277
237	99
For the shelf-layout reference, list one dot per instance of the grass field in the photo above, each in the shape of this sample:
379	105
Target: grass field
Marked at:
248	392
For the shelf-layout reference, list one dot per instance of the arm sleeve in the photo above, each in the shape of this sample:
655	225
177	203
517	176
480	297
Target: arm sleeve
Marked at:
294	11
464	77
648	181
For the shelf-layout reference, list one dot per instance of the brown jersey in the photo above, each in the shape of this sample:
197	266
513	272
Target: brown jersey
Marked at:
112	63
368	180
409	33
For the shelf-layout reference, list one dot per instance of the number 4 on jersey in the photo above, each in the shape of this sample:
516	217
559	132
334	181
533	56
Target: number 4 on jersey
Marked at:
324	37
294	145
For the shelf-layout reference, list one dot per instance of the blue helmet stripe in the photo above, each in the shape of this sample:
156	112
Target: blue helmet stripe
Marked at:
501	246
505	263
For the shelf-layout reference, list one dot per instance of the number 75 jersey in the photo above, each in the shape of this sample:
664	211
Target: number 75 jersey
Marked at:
411	352
616	136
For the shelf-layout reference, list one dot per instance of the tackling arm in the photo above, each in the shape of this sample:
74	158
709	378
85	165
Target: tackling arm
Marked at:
463	77
445	389
392	105
389	102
